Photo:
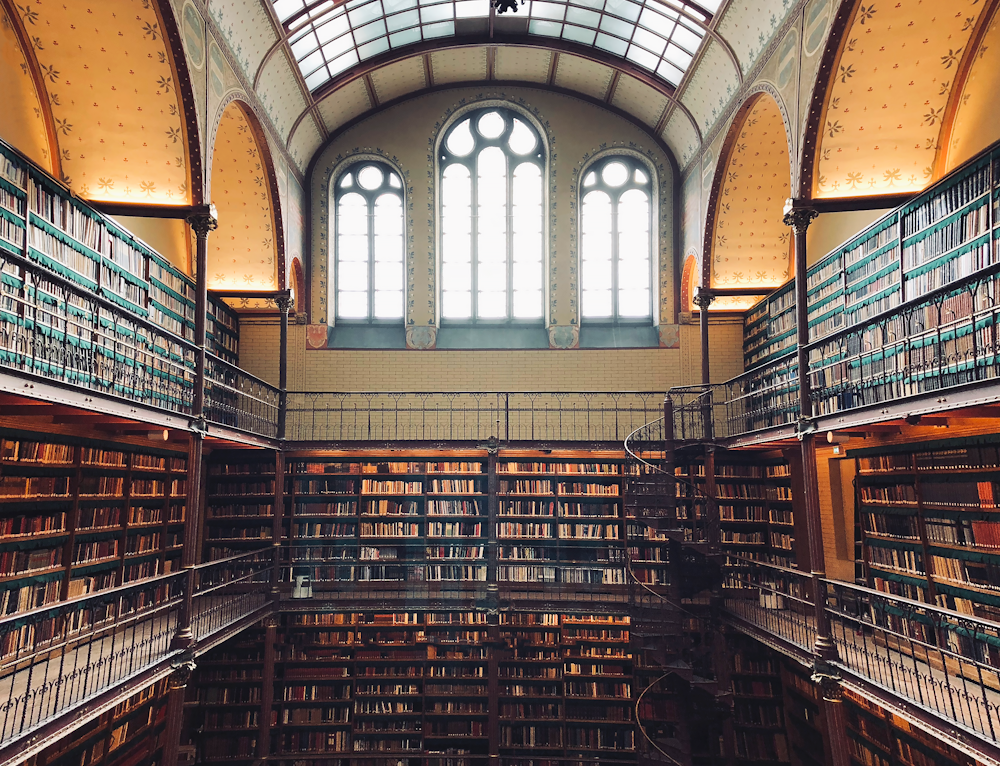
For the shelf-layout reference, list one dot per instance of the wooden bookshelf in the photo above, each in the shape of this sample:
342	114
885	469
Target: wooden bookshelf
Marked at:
758	707
78	516
239	503
44	223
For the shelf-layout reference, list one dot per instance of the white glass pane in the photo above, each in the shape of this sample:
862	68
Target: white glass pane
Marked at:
374	48
460	141
527	246
493	305
649	41
388	249
614	174
395	6
456	213
595	303
311	63
633	244
369	32
389	276
365	13
455	277
403	20
656	22
303	46
616	27
434	13
640	178
579	34
611	44
633	211
471	9
624	8
339	46
352	276
456	305
528	275
395	183
685	38
347	181
633	303
542	10
633	275
352	305
583	17
456	247
287	8
388	304
591	179
492	193
352	247
442	29
317	78
527	304
490	125
335	27
492	275
370	177
522	139
408	37
346	61
679	58
596	274
670	73
642	57
492	242
546	28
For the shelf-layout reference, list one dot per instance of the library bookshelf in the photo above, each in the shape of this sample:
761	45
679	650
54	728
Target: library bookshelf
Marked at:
79	515
50	238
758	707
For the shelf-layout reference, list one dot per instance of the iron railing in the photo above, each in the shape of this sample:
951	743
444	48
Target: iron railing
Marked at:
943	661
58	657
53	328
469	416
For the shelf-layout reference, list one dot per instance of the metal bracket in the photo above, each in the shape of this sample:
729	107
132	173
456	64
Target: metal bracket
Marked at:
199	426
828	679
805	426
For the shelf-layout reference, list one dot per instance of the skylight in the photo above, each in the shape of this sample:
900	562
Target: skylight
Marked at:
327	39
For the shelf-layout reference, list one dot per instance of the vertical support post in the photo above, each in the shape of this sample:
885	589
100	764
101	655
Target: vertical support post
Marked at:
703	300
669	459
277	522
835	729
177	682
267	690
799	219
493	604
284	304
202	223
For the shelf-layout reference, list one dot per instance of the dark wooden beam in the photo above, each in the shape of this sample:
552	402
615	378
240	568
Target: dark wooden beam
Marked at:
716	292
141	210
849	204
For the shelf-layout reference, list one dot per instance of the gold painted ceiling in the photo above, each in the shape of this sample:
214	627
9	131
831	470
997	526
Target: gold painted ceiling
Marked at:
22	122
113	96
241	251
750	244
889	95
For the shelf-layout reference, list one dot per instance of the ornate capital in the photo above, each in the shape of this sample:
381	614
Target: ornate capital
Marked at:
181	675
828	680
284	303
799	219
205	221
703	299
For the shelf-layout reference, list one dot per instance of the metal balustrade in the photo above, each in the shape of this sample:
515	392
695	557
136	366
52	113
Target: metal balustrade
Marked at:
237	399
541	416
943	661
57	657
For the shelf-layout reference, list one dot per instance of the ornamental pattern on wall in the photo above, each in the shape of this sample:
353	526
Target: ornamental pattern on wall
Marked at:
451	116
664	250
340	164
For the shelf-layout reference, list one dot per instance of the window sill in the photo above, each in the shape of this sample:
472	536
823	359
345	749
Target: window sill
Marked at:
491	337
373	336
618	336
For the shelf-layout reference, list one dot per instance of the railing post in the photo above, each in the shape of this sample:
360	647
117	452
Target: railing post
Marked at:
835	730
177	682
669	457
799	219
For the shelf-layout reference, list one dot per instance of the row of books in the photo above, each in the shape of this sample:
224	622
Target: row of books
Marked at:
945	202
884	236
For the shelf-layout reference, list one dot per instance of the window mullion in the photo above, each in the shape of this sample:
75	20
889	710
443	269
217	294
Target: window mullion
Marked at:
371	259
614	257
510	237
474	240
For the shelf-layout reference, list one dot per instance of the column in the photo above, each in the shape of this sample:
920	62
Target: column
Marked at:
834	729
799	219
284	304
202	224
703	300
177	682
267	689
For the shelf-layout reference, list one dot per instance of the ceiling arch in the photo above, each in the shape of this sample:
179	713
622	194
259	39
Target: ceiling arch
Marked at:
891	75
246	252
749	246
113	87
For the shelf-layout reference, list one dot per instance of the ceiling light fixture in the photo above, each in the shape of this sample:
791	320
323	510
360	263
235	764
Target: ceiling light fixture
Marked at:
506	5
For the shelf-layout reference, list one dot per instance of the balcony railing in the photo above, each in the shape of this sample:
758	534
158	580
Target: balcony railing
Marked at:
58	657
52	328
469	416
945	662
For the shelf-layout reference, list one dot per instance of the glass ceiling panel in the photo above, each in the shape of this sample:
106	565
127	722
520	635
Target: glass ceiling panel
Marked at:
656	35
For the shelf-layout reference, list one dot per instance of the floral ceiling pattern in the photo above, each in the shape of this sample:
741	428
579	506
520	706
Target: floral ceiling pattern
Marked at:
22	122
241	253
751	246
112	90
890	91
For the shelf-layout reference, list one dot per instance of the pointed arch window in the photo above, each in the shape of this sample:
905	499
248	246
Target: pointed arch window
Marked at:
492	219
369	244
616	239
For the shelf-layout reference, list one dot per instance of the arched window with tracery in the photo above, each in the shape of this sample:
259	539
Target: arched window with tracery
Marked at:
492	162
616	238
368	243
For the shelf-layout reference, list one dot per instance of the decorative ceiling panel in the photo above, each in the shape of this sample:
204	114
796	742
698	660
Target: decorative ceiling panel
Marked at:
247	29
749	26
113	98
241	251
280	94
975	126
327	39
304	143
751	245
458	65
523	64
22	122
639	99
889	94
398	79
681	136
711	87
579	74
344	104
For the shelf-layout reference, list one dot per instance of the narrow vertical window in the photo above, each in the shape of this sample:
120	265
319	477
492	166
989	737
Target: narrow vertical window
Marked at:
369	244
492	219
616	241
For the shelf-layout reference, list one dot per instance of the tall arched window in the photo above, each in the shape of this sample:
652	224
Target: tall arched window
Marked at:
492	216
368	241
616	241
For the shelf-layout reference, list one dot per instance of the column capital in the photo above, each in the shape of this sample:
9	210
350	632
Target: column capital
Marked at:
204	221
703	299
181	674
284	303
828	680
798	218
